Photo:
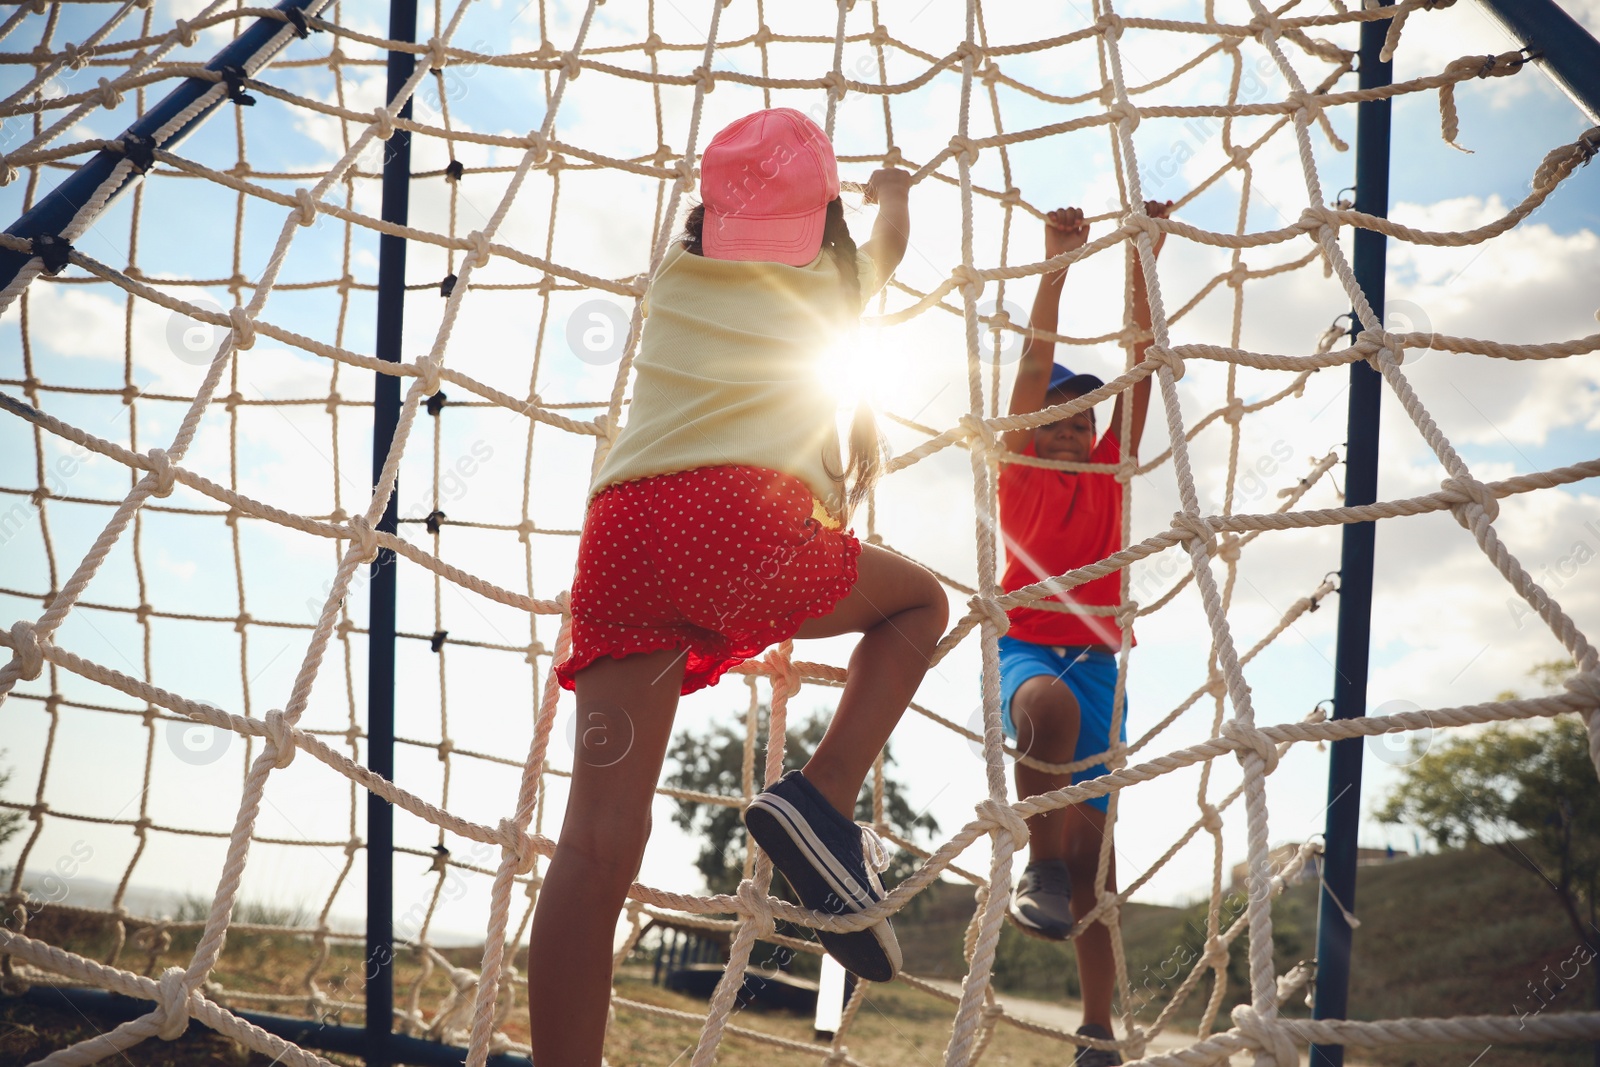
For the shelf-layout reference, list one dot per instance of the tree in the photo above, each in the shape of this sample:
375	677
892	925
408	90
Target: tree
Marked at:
1525	791
713	762
10	821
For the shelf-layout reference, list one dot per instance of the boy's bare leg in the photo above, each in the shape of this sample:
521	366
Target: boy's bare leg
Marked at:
1046	716
1086	829
625	712
900	610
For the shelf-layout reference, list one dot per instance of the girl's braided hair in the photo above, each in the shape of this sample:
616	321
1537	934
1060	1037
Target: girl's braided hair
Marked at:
864	465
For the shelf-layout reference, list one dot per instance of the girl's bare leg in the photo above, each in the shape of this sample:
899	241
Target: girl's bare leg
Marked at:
625	711
901	611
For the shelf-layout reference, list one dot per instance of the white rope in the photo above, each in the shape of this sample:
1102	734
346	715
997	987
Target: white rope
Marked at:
135	64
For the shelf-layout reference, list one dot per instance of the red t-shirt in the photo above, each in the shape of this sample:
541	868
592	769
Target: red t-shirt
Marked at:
1053	521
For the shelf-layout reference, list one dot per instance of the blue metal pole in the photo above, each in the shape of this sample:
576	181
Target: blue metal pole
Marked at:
57	208
1559	44
384	585
1355	563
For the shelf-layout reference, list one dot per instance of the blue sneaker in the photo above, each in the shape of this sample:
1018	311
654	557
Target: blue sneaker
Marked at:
821	853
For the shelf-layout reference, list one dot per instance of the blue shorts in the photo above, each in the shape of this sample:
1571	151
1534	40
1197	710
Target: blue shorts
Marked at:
1090	673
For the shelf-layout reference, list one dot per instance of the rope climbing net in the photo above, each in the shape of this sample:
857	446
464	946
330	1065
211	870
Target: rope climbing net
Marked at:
304	231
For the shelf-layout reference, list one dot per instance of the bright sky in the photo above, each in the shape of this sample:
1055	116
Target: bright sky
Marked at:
1444	632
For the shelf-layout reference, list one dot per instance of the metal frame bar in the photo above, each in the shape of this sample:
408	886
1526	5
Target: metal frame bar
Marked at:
1559	44
384	587
1355	561
56	210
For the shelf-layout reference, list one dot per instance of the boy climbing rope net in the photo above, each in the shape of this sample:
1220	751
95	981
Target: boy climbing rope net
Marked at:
1058	668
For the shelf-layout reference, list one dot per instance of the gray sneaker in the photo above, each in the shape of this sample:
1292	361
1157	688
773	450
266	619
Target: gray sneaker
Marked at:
1041	905
1096	1057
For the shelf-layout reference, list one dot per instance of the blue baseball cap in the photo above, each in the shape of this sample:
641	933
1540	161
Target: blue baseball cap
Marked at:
1064	380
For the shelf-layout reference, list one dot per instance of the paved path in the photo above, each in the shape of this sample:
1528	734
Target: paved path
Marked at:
1068	1015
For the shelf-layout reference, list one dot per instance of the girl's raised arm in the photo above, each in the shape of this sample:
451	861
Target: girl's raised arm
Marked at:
890	189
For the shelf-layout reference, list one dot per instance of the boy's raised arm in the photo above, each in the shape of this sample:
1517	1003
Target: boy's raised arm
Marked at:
1141	318
1064	230
890	189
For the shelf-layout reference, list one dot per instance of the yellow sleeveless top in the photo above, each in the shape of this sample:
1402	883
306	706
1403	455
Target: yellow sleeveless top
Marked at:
728	372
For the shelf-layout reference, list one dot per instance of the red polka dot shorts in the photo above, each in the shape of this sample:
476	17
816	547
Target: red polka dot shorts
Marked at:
722	562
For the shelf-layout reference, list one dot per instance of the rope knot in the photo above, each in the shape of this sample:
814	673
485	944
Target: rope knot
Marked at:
1126	613
1192	527
1136	222
385	123
518	845
894	157
1126	114
364	538
26	651
836	84
1314	217
478	248
1480	498
184	32
162	470
1377	345
1210	818
1252	740
967	279
306	213
571	65
1267	1035
1216	953
1238	275
653	43
1306	105
539	145
969	51
1111	25
1228	551
979	434
244	328
280	739
989	612
1233	412
753	903
110	97
703	77
1585	686
427	368
685	173
438	53
965	149
1003	819
785	675
172	1004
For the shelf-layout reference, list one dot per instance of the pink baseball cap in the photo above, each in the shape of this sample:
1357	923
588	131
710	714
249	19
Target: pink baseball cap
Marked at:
766	181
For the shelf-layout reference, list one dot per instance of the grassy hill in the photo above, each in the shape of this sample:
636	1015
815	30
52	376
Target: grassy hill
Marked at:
1461	933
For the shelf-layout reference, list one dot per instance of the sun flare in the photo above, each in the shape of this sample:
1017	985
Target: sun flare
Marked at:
857	368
